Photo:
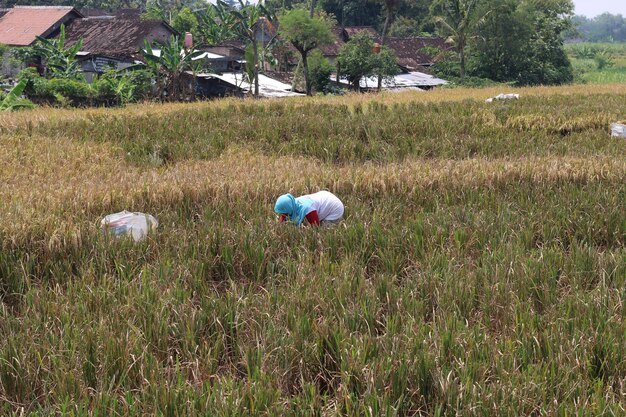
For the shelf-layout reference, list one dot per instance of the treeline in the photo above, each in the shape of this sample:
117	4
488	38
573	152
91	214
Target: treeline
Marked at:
606	27
515	41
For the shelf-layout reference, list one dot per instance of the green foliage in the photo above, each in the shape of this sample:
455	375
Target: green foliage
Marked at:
404	27
12	60
605	27
305	34
215	24
357	60
12	100
112	88
170	66
185	21
59	60
604	60
142	84
608	68
447	65
123	87
458	23
520	40
245	23
319	72
249	57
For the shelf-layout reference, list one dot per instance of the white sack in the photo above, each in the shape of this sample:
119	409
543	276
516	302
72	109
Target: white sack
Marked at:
125	223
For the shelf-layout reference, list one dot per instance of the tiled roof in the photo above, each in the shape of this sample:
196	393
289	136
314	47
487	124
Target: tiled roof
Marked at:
333	48
412	53
353	30
116	37
21	25
233	49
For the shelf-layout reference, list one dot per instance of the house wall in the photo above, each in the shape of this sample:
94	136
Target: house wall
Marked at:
161	34
219	66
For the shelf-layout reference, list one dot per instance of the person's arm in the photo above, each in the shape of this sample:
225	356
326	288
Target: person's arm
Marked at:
313	218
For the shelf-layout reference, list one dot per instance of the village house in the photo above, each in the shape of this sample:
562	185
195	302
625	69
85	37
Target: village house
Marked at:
109	42
114	42
21	25
414	55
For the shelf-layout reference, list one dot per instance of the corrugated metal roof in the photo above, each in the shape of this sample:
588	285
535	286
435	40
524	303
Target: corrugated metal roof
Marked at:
268	87
408	80
21	25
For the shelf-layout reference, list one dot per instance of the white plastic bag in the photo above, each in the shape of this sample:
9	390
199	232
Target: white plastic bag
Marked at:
618	130
503	97
125	223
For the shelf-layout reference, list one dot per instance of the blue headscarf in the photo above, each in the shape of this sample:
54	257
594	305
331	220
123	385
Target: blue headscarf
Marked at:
294	208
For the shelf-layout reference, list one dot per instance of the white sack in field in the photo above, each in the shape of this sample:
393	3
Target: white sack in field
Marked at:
503	97
618	130
126	223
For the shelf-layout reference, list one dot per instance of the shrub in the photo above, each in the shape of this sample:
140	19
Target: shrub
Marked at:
143	81
72	89
112	88
320	70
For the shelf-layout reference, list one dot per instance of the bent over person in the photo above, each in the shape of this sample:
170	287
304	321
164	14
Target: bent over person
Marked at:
317	209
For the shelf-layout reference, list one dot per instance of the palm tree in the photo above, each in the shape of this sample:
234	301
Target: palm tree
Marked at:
457	24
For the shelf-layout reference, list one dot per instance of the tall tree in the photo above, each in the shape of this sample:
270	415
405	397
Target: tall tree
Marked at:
391	6
458	24
521	41
357	60
305	34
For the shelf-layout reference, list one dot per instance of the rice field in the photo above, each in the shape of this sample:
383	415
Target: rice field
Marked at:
480	269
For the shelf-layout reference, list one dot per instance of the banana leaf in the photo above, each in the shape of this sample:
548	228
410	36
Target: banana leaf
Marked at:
13	102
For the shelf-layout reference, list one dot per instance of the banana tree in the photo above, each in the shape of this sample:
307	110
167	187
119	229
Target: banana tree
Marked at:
169	63
59	60
13	102
214	24
247	21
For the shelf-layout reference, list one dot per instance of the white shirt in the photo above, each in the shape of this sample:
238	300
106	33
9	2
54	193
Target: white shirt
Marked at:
327	205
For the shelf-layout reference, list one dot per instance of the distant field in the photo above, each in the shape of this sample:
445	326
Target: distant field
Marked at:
586	68
480	269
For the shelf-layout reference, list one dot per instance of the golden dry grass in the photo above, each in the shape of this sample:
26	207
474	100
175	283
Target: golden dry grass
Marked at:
483	277
9	121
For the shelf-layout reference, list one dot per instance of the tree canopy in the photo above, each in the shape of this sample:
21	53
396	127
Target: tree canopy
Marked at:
606	27
357	60
305	34
518	41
